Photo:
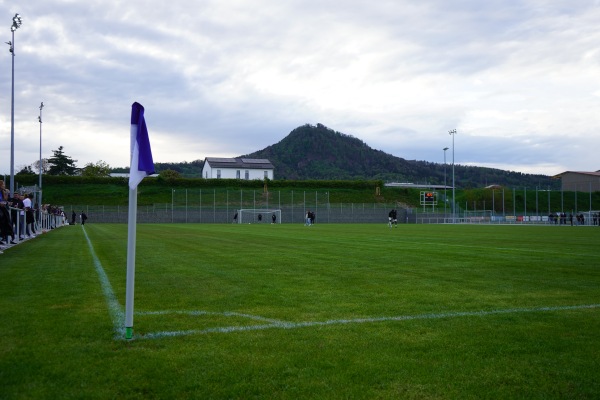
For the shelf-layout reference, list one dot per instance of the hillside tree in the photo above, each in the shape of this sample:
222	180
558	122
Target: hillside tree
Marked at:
44	164
61	164
169	174
25	170
99	169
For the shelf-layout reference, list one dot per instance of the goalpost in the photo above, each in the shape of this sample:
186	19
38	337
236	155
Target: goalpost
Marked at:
258	216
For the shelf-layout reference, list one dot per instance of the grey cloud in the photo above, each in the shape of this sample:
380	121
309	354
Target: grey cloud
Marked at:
228	79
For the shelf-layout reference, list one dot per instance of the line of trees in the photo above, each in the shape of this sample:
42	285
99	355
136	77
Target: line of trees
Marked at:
62	164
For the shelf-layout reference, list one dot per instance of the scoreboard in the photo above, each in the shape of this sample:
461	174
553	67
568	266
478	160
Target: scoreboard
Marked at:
428	198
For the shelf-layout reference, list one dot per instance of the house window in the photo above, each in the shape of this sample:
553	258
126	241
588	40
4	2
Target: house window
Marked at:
266	174
237	174
218	174
247	175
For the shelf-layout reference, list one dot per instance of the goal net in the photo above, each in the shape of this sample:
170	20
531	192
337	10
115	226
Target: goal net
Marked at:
259	216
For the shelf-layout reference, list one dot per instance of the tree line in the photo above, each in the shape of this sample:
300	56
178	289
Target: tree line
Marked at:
62	164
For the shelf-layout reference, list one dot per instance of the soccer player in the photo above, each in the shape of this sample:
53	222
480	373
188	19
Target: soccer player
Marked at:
390	217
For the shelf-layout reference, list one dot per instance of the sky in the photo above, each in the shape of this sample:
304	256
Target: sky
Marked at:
518	80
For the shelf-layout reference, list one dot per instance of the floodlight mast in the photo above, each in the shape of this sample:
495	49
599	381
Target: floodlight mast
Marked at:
41	164
15	25
445	184
453	133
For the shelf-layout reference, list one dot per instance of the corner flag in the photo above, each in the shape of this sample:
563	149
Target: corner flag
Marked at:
141	166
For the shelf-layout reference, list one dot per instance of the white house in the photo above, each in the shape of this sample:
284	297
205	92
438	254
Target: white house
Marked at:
237	168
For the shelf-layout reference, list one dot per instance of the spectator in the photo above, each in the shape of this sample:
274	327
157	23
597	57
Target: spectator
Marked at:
17	215
29	217
5	223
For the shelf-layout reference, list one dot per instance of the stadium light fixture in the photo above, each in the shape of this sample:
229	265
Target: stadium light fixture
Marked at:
17	21
453	133
16	24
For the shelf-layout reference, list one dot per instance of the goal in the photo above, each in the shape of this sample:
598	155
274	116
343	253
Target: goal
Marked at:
258	216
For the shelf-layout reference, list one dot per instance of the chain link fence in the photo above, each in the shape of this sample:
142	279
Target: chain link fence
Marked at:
220	205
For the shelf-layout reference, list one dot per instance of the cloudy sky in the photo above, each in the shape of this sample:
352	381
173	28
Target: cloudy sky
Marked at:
518	80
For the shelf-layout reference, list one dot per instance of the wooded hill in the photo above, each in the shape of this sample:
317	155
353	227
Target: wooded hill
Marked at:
317	152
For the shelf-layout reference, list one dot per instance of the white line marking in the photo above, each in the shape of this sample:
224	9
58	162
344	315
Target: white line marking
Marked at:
116	311
294	325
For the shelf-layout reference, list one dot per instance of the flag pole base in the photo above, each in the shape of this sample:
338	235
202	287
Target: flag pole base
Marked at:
129	333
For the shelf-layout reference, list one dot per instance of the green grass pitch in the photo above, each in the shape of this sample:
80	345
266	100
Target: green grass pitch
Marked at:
290	312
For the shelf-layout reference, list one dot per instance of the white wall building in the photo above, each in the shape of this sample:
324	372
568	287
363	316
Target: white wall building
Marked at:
237	168
580	181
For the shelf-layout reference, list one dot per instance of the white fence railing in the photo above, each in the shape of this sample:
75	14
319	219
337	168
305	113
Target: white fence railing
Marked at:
18	229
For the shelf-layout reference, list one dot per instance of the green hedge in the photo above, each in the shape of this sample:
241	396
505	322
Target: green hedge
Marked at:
29	180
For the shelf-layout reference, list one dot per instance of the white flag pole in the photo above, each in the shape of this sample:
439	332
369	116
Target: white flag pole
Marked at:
131	242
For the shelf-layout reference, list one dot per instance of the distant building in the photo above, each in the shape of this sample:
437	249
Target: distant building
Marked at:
237	168
126	175
407	185
574	181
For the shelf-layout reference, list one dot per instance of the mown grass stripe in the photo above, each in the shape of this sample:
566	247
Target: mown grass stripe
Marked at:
200	312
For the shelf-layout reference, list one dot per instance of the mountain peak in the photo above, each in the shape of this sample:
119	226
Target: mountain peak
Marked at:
318	152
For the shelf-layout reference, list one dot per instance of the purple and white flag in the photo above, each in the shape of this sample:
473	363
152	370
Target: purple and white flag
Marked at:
142	164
